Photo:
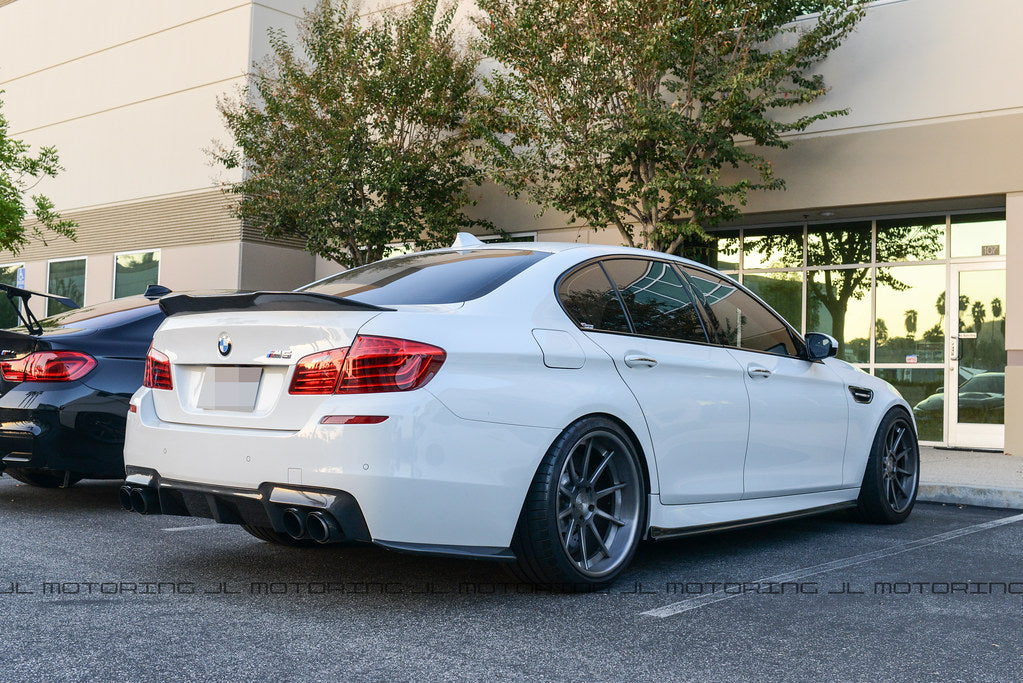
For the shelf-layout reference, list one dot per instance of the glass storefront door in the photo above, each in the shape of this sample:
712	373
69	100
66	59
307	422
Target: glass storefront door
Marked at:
975	381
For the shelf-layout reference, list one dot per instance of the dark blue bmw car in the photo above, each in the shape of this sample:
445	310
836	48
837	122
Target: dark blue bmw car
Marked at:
65	383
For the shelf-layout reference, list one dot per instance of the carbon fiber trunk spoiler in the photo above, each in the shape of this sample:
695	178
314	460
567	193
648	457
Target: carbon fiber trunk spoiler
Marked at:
184	304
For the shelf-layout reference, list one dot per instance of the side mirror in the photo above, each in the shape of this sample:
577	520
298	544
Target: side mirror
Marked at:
820	346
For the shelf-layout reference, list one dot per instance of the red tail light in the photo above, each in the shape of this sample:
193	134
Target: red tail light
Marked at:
318	373
158	371
48	366
377	364
369	365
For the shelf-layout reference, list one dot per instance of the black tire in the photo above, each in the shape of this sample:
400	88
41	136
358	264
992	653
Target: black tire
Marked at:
44	479
271	536
599	495
892	477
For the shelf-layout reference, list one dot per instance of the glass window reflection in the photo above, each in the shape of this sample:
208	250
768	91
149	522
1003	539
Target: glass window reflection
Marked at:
720	250
773	248
978	235
8	314
839	244
134	272
923	389
914	239
782	291
910	312
838	303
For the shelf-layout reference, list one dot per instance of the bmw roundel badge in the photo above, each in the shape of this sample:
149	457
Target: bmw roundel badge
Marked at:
224	344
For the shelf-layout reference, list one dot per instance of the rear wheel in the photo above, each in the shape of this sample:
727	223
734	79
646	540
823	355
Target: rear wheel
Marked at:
583	515
46	479
277	538
892	476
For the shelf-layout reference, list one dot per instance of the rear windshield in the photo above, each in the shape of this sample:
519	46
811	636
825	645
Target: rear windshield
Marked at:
106	314
434	278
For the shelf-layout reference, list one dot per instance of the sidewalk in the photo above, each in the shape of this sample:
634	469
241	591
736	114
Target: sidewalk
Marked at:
971	478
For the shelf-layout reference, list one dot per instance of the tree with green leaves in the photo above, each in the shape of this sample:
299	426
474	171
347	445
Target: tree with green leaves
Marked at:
979	314
624	112
20	173
351	139
911	321
880	331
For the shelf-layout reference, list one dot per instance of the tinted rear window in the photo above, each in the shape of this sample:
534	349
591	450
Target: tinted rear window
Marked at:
106	314
435	278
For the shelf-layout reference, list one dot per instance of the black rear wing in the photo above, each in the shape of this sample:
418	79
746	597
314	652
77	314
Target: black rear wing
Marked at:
27	317
185	304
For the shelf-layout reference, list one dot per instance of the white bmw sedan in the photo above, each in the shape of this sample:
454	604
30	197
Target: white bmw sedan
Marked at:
550	405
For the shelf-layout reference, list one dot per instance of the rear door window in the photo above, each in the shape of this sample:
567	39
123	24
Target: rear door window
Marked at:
656	298
590	300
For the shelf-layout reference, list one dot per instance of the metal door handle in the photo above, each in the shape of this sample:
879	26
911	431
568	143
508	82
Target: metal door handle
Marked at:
634	360
757	372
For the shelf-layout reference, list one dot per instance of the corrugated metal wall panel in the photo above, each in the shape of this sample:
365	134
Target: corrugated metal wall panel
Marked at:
198	218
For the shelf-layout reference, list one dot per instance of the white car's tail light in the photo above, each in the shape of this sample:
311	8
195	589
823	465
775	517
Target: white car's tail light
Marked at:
318	373
377	364
158	371
369	365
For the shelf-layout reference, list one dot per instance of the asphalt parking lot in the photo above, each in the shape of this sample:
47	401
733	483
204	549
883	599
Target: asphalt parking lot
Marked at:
88	591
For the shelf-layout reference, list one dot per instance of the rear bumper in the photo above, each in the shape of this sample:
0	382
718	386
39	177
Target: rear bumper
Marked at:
265	507
424	480
88	444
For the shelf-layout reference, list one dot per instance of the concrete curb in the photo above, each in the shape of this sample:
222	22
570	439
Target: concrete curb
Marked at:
984	496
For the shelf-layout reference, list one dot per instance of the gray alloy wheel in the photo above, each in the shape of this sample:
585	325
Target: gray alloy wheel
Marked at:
584	515
598	504
892	477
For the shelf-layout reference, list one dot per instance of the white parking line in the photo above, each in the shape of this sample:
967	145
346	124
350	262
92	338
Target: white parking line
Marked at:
194	528
703	600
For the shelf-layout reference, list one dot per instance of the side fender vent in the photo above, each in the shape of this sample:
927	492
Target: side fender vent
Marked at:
861	395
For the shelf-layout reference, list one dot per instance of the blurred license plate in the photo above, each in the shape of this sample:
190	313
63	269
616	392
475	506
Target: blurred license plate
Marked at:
227	387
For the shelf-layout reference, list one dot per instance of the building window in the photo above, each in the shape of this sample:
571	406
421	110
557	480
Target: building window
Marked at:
879	287
8	314
134	271
65	278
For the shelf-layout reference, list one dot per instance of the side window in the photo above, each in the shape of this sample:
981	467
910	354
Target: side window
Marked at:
657	300
741	321
591	301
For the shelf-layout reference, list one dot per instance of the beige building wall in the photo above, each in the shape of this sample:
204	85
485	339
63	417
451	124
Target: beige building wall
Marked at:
127	93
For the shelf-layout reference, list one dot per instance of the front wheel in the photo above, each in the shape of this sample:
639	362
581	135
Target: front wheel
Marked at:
890	482
583	516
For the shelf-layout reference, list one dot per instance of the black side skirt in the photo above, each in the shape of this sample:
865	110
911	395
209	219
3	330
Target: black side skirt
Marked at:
659	533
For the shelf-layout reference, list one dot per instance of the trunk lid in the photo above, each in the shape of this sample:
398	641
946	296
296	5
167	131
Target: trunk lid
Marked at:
232	368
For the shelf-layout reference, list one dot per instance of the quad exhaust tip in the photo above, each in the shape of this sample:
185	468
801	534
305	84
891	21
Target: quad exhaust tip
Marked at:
322	527
144	501
124	495
294	523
